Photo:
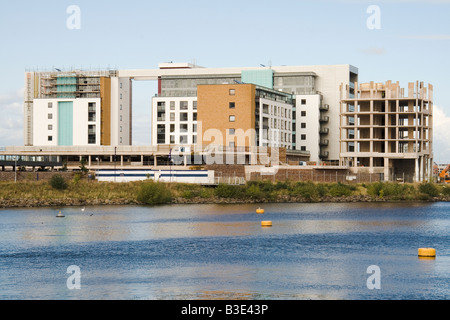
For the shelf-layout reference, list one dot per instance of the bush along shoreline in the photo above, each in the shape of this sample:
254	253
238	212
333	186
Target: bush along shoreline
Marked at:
81	192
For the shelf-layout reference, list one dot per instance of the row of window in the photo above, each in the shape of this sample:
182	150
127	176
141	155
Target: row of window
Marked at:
184	116
184	105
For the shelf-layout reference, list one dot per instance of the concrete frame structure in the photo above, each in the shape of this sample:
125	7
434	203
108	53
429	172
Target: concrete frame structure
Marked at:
388	131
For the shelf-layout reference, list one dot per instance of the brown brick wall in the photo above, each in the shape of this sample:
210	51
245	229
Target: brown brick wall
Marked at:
33	176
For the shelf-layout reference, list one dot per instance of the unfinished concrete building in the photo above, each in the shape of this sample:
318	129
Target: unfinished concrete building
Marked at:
388	131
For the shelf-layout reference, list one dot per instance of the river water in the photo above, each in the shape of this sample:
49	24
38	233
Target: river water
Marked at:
209	252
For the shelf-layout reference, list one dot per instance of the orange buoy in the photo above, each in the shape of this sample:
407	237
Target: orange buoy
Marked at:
259	211
427	252
266	223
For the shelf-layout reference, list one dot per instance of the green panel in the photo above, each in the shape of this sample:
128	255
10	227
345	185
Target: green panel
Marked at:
65	123
262	78
66	87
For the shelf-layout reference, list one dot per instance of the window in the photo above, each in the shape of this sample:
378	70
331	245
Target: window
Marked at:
232	105
121	128
50	127
232	92
232	131
50	116
50	138
184	116
194	103
172	116
121	85
303	125
92	134
194	139
231	144
303	114
303	101
121	118
183	128
172	128
183	105
161	134
120	96
194	116
232	118
50	105
172	105
303	148
303	136
121	107
194	128
172	139
183	139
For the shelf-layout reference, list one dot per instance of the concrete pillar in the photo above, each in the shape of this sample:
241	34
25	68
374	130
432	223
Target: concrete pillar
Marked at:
422	176
121	160
386	169
416	170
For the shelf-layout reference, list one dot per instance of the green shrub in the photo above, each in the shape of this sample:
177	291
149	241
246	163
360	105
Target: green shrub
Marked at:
153	193
340	190
229	191
253	191
393	191
57	182
429	189
445	190
306	190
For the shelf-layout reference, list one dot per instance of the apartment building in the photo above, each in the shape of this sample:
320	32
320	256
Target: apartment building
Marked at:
77	108
387	130
313	90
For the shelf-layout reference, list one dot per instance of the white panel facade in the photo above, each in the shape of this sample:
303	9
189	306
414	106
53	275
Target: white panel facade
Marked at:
45	124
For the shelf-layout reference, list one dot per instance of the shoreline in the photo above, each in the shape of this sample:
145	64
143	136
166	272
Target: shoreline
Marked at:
89	193
67	203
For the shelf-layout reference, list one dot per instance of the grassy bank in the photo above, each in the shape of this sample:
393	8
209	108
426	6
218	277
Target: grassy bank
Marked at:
81	192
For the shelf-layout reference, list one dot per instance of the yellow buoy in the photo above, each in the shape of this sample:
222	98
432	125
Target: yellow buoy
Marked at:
259	211
266	223
427	252
60	215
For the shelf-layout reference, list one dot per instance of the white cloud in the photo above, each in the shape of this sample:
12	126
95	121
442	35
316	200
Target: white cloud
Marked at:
11	122
441	135
374	51
428	37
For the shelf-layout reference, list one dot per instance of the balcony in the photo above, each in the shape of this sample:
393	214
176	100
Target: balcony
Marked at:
324	154
324	142
324	107
324	118
324	130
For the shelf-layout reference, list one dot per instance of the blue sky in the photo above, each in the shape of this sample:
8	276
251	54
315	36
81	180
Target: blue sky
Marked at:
412	44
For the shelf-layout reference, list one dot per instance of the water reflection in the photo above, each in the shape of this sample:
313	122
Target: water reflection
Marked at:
313	251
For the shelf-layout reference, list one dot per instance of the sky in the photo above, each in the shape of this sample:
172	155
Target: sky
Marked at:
398	40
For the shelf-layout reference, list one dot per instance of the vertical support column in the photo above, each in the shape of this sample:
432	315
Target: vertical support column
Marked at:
386	169
416	170
422	176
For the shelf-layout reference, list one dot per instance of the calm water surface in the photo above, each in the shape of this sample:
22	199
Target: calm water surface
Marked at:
313	251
